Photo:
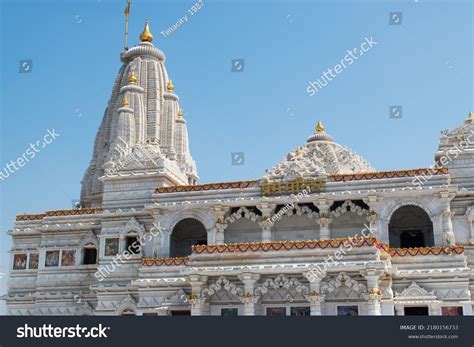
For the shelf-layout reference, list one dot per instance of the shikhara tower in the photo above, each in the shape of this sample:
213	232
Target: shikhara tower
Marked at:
143	132
209	249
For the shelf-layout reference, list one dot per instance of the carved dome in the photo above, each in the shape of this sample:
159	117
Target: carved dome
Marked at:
319	156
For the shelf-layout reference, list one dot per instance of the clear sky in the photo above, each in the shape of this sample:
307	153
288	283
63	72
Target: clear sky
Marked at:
423	64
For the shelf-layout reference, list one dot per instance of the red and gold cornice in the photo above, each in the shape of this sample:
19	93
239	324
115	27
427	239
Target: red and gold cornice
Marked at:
285	246
301	245
208	186
165	261
331	178
56	213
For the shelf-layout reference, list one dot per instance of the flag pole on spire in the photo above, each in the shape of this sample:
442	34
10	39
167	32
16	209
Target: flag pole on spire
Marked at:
127	12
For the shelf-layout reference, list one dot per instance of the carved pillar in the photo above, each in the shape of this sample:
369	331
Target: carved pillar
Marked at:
375	294
249	299
219	213
434	309
162	311
324	221
265	224
399	310
315	298
165	237
470	218
161	236
198	302
448	234
374	203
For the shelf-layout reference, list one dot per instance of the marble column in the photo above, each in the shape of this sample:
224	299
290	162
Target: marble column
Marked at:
265	224
374	204
315	299
375	294
249	298
218	232
434	309
197	300
324	221
165	236
470	219
448	234
399	310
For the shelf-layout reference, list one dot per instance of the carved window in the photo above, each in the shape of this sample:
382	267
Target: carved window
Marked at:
90	255
227	312
348	310
416	311
132	245
452	311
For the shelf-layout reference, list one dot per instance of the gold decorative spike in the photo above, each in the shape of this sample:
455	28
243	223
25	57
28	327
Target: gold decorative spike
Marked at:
132	78
180	113
124	102
170	86
146	35
298	151
470	115
319	127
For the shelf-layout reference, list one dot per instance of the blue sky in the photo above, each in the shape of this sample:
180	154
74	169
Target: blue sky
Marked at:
424	65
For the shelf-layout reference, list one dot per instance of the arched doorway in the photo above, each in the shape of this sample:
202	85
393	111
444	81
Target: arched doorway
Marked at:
410	226
188	232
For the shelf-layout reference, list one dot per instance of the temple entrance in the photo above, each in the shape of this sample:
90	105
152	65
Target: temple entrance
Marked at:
409	227
187	233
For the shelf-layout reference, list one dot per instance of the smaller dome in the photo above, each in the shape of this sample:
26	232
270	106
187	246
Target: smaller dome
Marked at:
146	35
319	156
320	135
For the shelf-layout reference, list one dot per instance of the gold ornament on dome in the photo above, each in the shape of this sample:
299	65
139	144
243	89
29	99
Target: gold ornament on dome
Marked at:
146	35
132	78
319	127
170	86
125	102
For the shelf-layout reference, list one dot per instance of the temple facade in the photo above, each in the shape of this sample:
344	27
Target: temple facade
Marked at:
321	233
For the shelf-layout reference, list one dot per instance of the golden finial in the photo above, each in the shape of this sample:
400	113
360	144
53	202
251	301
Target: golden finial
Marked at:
170	86
124	102
180	113
319	127
146	35
132	78
470	115
298	151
